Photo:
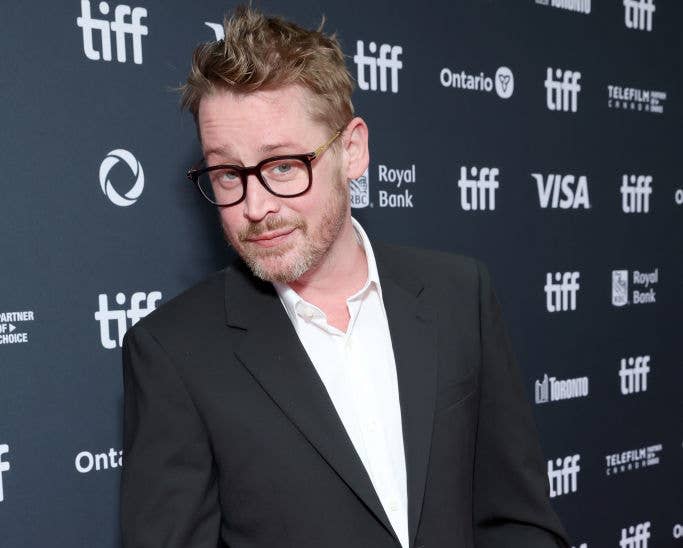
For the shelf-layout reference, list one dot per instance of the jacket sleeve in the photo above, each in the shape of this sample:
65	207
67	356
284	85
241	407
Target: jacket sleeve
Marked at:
169	492
511	503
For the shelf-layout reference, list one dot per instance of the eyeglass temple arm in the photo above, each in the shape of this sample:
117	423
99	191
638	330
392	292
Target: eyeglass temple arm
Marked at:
318	151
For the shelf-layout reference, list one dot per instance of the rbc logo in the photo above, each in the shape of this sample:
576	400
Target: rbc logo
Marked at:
387	62
135	313
360	191
113	158
119	27
619	287
562	94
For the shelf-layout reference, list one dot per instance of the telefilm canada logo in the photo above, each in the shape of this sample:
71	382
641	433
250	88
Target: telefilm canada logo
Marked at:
635	536
503	81
120	27
578	6
382	64
551	389
557	191
632	459
635	99
141	304
563	475
14	326
397	188
643	287
108	188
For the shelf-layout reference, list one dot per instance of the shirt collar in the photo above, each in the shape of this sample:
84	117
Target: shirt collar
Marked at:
290	298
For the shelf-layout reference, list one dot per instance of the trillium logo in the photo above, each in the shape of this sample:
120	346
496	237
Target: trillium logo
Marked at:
505	82
113	158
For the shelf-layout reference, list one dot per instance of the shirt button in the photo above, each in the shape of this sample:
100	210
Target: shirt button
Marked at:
393	505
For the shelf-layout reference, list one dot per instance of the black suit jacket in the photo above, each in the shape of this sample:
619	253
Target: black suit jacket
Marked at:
230	438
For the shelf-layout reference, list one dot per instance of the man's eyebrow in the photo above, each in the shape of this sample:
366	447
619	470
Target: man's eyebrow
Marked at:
223	151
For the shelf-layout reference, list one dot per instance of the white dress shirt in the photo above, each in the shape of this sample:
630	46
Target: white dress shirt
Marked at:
358	370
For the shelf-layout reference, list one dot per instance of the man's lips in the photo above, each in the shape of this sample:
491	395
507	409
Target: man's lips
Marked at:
272	238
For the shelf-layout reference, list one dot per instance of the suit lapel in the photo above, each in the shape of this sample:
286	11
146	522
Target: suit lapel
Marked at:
275	357
413	336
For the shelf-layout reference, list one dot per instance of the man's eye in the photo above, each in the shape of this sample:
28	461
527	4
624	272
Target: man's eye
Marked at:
282	168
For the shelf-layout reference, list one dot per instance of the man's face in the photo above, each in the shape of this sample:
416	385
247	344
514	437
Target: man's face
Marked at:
279	238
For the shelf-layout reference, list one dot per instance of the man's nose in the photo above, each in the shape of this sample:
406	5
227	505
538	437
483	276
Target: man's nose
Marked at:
258	202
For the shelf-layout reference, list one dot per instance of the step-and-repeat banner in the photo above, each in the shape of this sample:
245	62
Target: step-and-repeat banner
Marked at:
541	136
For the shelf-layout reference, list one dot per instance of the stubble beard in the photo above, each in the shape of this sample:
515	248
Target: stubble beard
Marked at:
285	263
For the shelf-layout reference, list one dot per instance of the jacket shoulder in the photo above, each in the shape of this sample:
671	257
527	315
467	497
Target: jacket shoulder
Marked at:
195	305
430	265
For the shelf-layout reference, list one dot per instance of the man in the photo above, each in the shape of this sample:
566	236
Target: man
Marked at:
332	392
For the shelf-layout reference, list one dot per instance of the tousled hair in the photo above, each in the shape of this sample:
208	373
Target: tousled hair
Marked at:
266	52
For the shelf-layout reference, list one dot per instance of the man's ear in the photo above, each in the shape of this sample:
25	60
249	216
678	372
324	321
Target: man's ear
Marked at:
355	148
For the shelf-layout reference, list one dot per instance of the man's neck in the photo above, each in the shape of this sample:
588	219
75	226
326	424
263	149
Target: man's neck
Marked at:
342	272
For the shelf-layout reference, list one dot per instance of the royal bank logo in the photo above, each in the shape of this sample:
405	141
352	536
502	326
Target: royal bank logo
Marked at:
638	14
619	287
121	27
14	326
86	462
562	89
563	475
360	190
218	30
635	536
106	167
551	389
141	304
633	375
677	531
561	289
635	193
4	467
503	81
478	186
562	191
398	183
632	459
635	99
643	287
383	64
578	6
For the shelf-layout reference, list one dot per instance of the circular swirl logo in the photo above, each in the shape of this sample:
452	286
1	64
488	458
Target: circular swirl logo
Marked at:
113	158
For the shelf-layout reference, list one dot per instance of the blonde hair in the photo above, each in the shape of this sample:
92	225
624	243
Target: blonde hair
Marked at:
263	52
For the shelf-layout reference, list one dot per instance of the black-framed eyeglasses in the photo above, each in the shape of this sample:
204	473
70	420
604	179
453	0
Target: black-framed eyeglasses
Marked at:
286	176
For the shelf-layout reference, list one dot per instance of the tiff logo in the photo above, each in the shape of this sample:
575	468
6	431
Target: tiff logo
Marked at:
635	193
135	313
120	27
562	94
478	193
560	294
388	63
4	467
635	536
563	476
633	374
638	14
562	191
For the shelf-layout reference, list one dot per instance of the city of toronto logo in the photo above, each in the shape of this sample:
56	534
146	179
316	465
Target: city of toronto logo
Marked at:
113	158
